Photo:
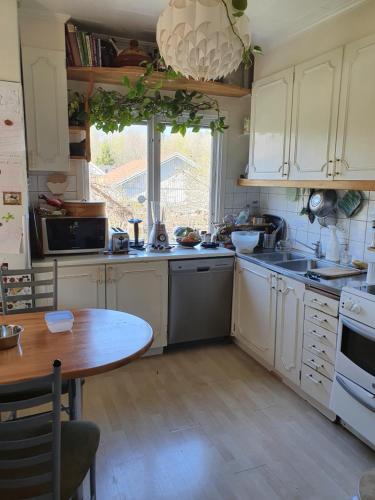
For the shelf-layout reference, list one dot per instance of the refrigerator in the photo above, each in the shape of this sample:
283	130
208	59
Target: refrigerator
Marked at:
14	241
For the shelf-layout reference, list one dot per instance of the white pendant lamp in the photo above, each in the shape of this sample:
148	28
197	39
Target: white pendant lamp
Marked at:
195	38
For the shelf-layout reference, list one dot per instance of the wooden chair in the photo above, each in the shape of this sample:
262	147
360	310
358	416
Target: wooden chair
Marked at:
31	290
40	456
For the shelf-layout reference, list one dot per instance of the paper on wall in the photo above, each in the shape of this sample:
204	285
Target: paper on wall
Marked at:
10	237
12	168
11	118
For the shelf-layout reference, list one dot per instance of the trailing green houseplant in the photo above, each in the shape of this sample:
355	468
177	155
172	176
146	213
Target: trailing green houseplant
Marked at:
112	111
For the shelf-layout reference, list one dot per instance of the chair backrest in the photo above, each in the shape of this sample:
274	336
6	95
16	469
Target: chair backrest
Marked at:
29	290
30	446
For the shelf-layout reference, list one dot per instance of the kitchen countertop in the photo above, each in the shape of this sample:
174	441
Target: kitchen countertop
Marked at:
333	286
135	255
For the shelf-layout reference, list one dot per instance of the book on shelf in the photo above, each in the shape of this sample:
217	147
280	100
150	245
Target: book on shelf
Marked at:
82	48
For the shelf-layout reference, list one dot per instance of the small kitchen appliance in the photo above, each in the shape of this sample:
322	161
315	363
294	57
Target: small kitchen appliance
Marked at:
136	242
72	235
158	239
118	240
353	390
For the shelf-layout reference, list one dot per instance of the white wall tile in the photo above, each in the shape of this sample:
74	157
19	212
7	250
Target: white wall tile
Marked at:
357	231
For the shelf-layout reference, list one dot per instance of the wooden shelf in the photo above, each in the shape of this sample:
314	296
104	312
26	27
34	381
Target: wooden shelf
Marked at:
77	128
78	157
115	75
348	184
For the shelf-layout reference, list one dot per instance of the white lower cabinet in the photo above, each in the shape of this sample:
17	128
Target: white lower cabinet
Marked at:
141	289
289	328
81	287
255	309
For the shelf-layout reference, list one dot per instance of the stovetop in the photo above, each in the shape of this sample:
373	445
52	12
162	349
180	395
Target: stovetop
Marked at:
365	288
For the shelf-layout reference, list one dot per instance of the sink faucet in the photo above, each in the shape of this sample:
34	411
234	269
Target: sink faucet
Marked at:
317	247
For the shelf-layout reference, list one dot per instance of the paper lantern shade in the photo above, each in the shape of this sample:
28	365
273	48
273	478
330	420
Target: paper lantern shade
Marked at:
195	38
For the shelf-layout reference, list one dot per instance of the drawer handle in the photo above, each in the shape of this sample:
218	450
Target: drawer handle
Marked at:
316	334
315	365
322	304
316	349
310	377
317	318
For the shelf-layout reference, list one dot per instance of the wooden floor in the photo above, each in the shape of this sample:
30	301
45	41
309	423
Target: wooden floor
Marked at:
209	423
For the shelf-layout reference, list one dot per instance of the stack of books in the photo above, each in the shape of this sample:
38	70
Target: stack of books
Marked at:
82	48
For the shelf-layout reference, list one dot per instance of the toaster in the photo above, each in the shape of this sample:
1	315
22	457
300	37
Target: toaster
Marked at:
118	240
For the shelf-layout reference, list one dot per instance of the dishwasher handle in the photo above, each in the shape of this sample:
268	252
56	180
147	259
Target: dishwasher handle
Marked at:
203	269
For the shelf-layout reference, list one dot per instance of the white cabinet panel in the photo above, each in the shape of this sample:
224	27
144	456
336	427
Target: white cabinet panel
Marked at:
314	119
271	109
46	108
289	328
356	128
141	289
255	309
81	287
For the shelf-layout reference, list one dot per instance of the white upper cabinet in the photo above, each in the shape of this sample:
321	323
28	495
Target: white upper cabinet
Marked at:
271	109
314	118
289	328
46	108
355	153
141	289
255	310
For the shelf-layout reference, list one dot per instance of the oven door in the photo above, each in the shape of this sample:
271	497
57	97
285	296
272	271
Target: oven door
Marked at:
356	353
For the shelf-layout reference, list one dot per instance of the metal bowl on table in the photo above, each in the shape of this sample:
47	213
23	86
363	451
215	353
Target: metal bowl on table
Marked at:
9	335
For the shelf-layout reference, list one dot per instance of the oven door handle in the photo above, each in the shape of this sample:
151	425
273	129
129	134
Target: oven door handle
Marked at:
369	403
362	330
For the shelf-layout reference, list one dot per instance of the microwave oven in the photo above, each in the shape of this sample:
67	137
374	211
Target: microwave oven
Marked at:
73	235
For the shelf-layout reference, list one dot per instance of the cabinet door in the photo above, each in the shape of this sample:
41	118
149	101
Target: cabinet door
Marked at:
314	118
81	287
289	329
46	108
355	153
255	309
271	110
141	289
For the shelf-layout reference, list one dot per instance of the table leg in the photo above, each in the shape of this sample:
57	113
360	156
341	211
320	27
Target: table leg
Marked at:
76	399
76	414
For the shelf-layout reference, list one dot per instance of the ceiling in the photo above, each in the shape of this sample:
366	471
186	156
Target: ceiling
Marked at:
272	21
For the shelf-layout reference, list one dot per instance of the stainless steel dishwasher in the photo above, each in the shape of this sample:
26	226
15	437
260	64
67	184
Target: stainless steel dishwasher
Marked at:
200	299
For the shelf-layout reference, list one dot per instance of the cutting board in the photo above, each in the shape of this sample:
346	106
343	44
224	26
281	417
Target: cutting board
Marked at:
335	272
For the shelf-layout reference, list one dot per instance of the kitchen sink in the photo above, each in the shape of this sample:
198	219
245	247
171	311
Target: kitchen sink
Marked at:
304	265
279	256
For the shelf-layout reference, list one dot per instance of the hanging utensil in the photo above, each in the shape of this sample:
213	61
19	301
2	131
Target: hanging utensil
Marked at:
322	202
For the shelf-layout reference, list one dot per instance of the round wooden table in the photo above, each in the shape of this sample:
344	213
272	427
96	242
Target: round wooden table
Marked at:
100	340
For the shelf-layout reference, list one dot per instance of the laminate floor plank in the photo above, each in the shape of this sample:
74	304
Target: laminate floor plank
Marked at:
210	423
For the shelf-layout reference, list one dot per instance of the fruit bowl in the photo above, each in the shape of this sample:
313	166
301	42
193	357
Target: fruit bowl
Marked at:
189	244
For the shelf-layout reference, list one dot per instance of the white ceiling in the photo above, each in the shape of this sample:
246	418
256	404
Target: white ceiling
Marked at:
272	21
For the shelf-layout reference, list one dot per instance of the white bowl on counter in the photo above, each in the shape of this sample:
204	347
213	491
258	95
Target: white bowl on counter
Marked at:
245	241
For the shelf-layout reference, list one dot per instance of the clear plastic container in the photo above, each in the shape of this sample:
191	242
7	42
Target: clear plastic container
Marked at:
59	321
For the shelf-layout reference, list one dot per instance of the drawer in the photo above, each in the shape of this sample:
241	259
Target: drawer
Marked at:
313	345
318	364
322	303
316	385
325	337
321	319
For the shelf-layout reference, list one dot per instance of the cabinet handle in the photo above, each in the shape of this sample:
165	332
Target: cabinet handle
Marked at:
322	304
315	365
317	318
310	377
316	349
316	334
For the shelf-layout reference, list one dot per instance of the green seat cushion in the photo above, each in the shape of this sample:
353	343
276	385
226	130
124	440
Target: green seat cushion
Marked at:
79	443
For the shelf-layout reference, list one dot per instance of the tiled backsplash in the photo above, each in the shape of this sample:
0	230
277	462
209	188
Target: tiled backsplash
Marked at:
37	185
357	231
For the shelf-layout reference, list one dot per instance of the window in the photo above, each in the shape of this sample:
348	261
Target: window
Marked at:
130	169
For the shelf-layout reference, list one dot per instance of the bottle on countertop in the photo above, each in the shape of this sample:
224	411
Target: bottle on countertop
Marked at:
333	246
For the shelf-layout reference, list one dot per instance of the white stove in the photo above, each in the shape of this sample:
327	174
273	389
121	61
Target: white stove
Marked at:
353	392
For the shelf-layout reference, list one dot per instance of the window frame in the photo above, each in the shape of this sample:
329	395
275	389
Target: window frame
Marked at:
217	181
